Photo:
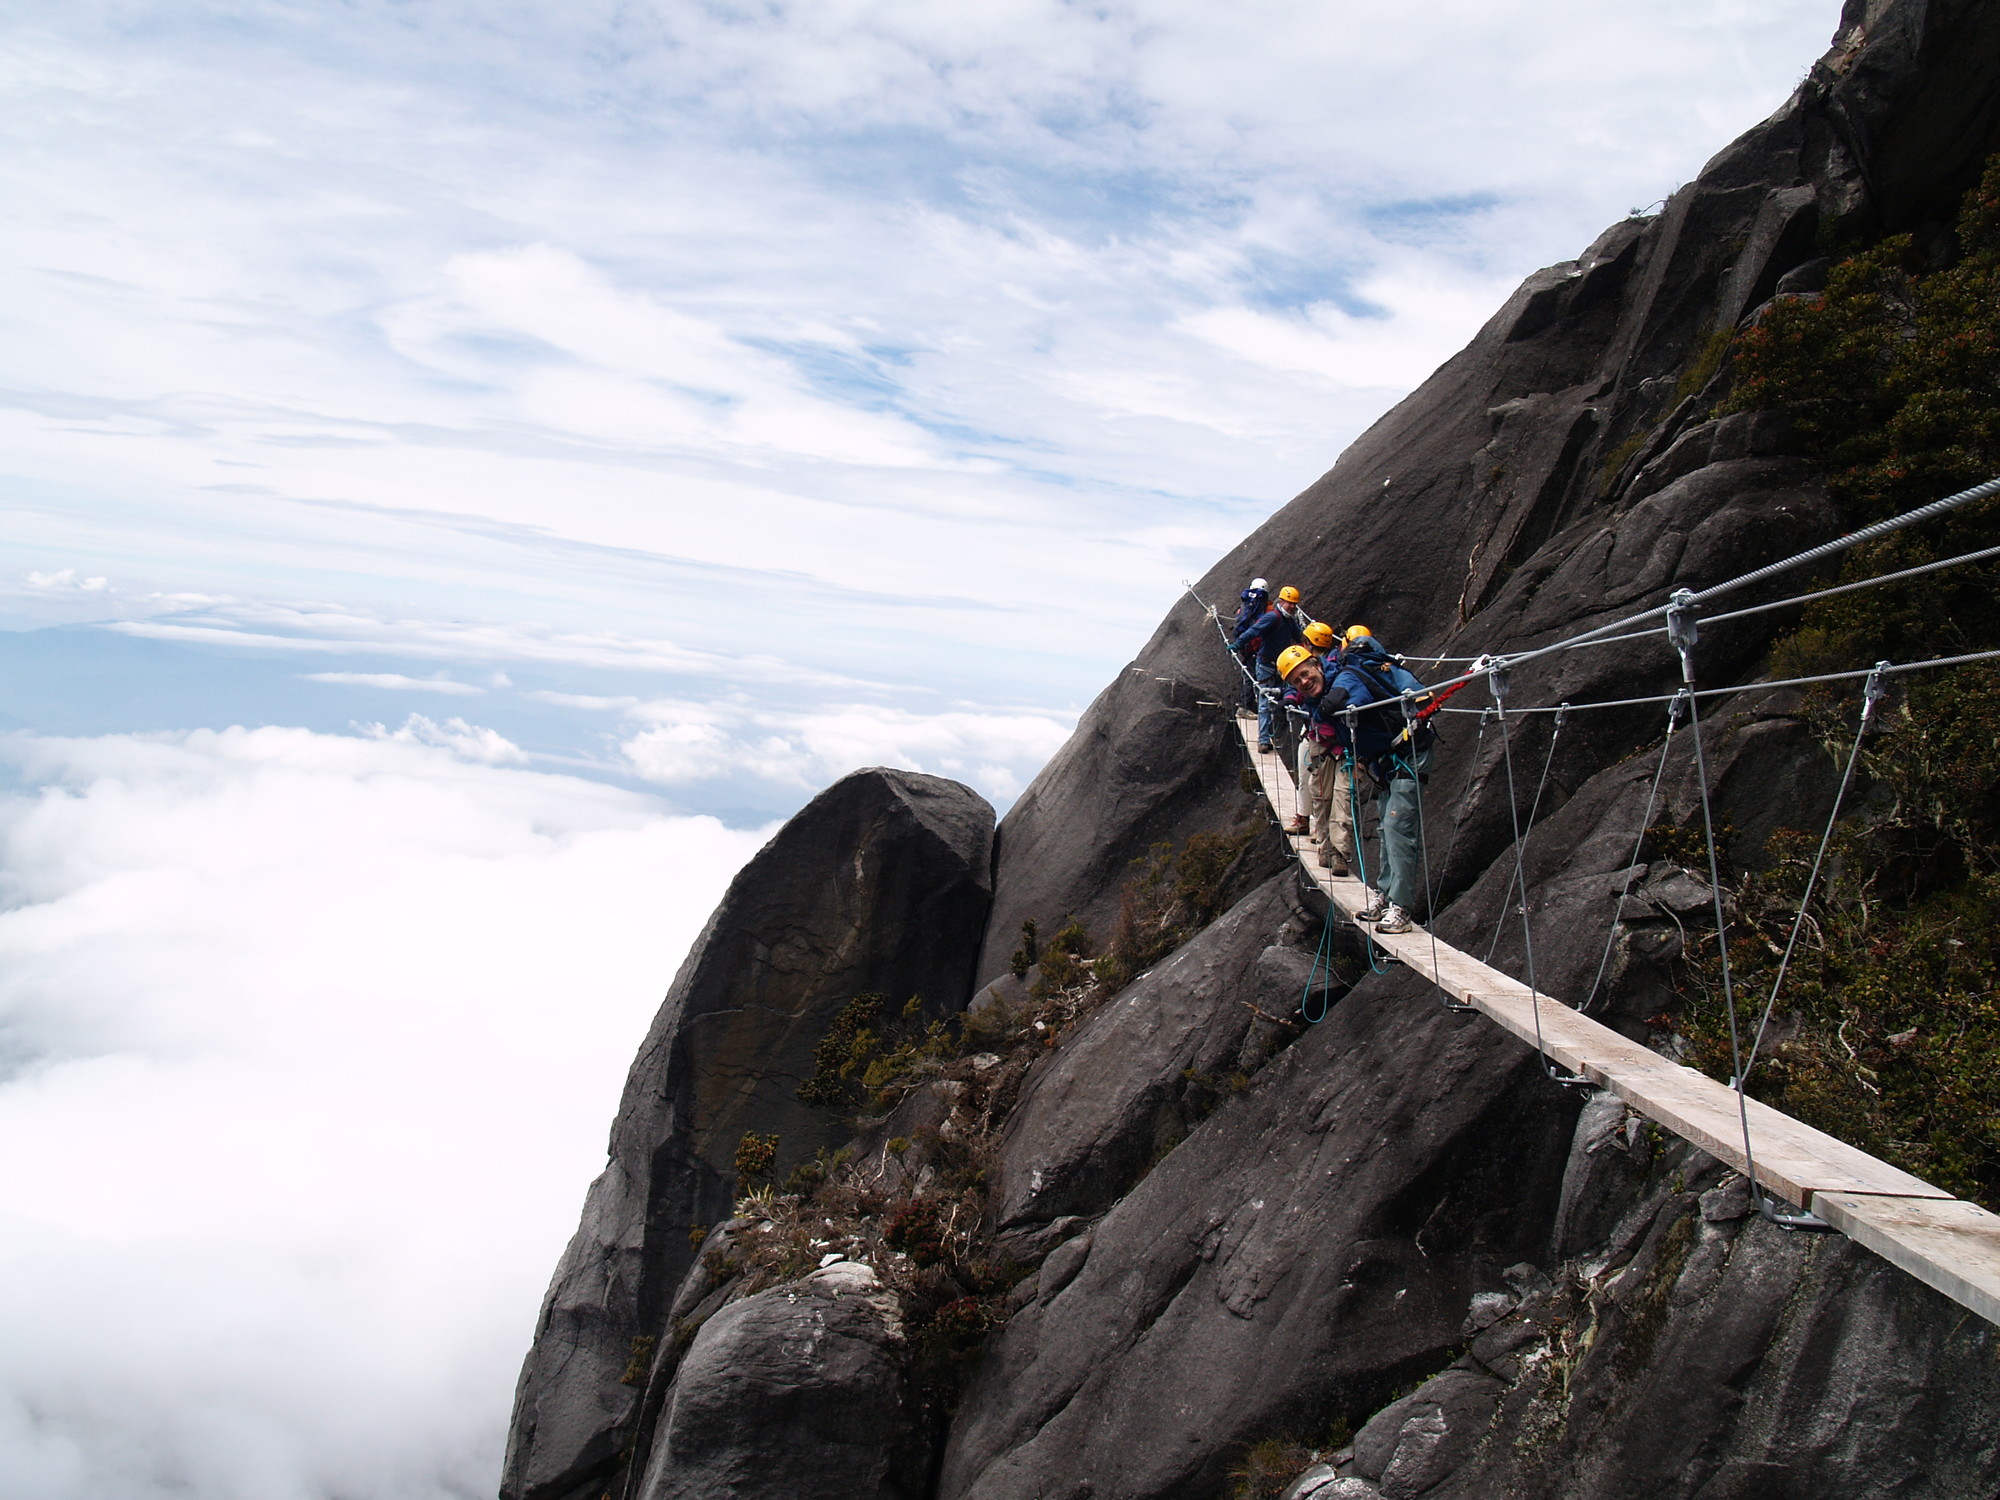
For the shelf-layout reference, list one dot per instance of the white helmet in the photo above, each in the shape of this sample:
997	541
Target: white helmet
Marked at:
1259	583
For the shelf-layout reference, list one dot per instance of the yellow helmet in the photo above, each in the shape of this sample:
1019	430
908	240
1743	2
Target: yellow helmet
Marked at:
1291	659
1288	595
1355	632
1319	635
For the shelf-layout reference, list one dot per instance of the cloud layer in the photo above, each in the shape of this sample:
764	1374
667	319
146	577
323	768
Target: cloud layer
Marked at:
310	1044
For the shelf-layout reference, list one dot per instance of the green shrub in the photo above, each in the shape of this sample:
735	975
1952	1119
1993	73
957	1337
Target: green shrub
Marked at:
755	1156
872	1060
1888	1030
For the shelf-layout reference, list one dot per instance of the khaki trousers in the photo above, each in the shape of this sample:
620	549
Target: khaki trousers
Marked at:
1326	782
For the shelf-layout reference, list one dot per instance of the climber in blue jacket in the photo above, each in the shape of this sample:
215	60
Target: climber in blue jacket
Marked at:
1274	630
1251	603
1371	683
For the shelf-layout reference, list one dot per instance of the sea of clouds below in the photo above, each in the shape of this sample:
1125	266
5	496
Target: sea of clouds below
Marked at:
309	1042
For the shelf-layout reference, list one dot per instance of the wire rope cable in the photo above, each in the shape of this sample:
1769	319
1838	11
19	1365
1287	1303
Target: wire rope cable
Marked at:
1871	695
1684	633
1831	548
1534	808
1638	843
1894	670
1497	677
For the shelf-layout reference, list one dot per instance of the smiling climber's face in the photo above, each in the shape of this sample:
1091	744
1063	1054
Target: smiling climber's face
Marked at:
1309	680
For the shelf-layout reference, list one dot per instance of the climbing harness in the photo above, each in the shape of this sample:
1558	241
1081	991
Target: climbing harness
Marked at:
1497	683
1639	843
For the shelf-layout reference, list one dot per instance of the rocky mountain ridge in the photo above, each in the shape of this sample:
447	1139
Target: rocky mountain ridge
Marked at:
1161	1237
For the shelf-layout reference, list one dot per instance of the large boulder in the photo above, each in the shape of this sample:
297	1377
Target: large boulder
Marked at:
881	883
796	1393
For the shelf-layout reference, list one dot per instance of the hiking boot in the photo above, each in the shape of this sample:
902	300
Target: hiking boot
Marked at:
1394	920
1372	912
1263	747
1332	863
1299	824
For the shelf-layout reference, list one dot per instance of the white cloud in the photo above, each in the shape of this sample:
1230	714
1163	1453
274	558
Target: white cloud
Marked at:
487	747
67	579
397	682
312	1044
807	745
848	293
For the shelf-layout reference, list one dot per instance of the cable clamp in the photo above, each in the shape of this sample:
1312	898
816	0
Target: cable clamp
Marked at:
1872	692
1683	630
1497	678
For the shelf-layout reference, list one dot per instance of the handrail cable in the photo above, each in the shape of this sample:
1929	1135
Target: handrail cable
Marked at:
1756	687
1756	575
1827	593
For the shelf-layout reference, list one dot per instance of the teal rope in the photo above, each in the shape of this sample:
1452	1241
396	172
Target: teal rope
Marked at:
1322	963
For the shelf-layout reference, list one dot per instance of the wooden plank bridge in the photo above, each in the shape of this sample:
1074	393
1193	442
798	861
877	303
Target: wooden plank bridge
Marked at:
1943	1241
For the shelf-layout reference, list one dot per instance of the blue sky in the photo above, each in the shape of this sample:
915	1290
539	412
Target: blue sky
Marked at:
467	469
821	334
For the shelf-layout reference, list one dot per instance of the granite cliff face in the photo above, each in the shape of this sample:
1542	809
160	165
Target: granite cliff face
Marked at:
1113	1242
880	884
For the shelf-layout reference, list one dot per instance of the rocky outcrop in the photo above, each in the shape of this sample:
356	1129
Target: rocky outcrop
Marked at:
800	1392
1122	1092
1309	1246
1693	1350
881	883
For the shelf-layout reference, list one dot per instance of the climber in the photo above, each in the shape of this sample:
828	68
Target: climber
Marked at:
1320	637
1272	631
1254	601
1373	682
1324	775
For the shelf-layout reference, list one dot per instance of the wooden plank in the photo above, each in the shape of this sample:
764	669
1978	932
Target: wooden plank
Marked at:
1943	1241
1793	1160
1953	1246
